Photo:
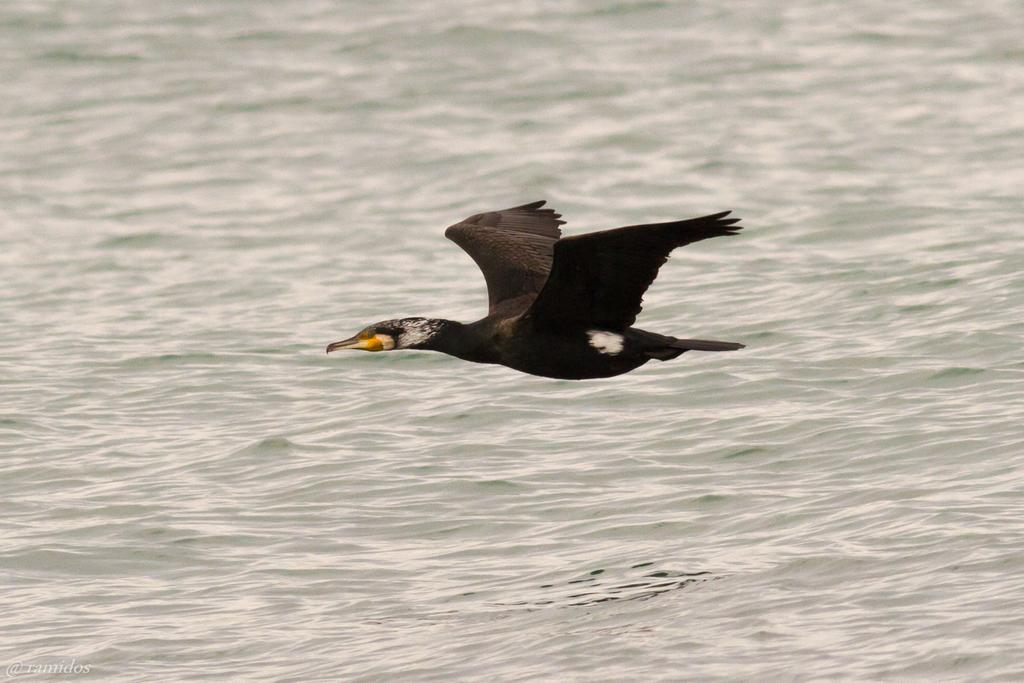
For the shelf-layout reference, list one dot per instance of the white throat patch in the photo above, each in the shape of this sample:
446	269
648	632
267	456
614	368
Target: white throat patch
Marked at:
417	332
606	342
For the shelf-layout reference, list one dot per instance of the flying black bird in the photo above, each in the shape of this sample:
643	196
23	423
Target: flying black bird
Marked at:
559	307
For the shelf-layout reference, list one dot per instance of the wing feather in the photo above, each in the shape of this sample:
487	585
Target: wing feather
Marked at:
514	250
599	278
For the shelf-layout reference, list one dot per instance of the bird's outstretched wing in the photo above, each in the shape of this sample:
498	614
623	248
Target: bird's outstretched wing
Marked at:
513	247
598	279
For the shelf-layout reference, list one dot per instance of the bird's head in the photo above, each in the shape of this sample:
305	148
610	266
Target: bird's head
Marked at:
404	333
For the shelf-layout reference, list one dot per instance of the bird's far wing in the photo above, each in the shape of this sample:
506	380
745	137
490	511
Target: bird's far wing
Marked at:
513	247
599	279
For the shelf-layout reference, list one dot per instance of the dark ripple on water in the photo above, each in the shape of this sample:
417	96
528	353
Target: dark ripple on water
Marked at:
595	588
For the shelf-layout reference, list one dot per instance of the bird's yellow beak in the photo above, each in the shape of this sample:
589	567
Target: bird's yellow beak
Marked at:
363	342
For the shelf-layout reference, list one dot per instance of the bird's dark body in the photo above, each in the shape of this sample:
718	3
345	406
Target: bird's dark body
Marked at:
569	355
559	307
560	354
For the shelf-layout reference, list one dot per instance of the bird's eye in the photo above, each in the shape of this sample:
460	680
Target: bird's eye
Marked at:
365	334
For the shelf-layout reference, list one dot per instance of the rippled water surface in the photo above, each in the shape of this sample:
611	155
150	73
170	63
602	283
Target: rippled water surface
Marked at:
196	197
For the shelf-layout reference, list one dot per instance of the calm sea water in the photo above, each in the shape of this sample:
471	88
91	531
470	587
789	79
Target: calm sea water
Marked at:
196	197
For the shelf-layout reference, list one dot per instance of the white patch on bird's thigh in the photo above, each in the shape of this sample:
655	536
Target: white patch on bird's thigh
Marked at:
606	342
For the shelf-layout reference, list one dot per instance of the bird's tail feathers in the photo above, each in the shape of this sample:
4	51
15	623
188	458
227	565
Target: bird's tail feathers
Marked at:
674	348
706	345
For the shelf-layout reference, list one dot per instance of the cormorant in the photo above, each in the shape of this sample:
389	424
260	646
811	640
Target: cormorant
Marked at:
559	307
